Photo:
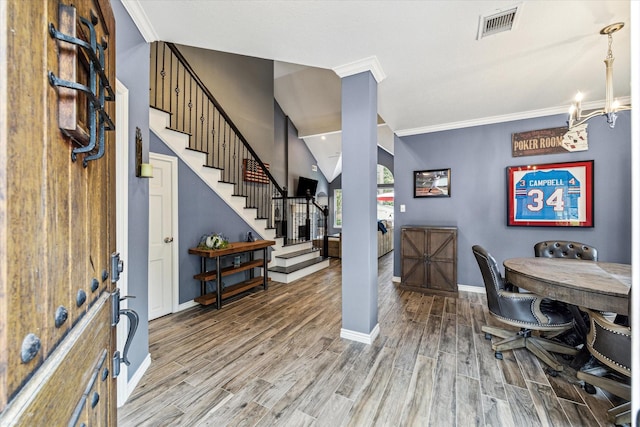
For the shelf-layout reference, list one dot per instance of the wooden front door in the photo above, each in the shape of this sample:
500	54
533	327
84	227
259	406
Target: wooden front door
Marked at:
57	220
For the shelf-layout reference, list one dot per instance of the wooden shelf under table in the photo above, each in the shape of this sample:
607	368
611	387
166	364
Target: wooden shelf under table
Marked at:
213	275
230	291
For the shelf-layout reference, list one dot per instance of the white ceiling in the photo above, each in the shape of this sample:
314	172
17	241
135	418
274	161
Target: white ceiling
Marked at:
434	74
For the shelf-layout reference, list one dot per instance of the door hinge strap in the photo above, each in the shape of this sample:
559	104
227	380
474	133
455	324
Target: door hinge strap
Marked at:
98	118
90	50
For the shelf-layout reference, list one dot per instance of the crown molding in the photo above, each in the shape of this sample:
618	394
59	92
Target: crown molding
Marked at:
141	20
366	64
586	106
316	135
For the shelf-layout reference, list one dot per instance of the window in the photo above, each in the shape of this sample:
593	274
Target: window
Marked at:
385	194
384	198
384	176
337	208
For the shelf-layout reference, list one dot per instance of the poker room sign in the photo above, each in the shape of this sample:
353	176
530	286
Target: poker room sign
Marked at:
549	141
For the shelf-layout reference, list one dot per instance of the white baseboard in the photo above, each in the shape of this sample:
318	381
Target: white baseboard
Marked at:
359	336
466	288
474	289
186	305
135	379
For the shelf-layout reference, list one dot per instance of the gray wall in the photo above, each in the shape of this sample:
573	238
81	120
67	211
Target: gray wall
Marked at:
385	159
244	88
132	69
200	211
478	158
279	156
299	157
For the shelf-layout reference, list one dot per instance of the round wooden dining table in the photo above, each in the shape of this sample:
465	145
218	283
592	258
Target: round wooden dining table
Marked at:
602	286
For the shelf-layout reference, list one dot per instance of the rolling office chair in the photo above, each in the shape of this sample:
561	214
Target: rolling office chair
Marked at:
610	343
569	250
527	311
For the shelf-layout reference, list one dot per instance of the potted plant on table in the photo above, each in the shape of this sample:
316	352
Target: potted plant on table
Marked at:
213	241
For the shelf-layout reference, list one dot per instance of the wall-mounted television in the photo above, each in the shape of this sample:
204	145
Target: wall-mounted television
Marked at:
305	184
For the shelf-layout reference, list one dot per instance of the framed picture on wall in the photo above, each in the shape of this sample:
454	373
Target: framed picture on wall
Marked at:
550	195
432	183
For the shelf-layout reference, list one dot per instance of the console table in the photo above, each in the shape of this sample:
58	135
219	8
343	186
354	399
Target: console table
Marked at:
233	248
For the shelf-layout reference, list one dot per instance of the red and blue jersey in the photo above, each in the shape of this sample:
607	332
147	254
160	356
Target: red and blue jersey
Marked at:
553	195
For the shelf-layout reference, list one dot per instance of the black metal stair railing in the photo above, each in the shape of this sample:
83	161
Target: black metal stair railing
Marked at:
301	219
176	89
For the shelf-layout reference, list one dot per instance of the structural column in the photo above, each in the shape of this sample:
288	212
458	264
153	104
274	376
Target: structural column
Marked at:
359	227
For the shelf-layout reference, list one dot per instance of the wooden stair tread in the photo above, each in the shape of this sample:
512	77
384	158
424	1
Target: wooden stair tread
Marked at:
161	109
212	167
296	267
292	242
298	253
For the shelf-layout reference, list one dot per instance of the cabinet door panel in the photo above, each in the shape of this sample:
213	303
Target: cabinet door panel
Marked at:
413	272
413	243
441	245
442	276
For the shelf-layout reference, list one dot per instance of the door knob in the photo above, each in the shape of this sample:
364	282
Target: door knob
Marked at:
168	239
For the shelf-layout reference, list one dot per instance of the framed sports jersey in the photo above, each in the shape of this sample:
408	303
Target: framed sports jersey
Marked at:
550	195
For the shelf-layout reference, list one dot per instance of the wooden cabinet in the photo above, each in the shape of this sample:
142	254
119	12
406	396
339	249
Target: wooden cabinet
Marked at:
335	245
385	241
429	259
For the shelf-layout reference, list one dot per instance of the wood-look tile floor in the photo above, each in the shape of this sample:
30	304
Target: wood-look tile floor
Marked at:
276	358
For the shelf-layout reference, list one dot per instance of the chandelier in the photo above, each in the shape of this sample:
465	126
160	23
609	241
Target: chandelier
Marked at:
611	106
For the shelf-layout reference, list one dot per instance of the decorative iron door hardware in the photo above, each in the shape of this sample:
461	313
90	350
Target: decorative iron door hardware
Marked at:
134	319
117	267
94	92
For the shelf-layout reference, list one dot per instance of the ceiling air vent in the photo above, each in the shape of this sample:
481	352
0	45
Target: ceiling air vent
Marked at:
503	20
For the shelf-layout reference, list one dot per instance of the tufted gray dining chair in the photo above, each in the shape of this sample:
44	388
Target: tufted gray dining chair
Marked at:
569	250
563	249
610	343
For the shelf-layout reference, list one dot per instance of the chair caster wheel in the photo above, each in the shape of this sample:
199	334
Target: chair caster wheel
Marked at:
589	388
498	355
487	336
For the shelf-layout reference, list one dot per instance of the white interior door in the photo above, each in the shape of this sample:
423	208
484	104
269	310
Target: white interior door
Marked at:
162	234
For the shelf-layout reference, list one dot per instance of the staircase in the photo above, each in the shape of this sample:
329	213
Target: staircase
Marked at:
288	262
